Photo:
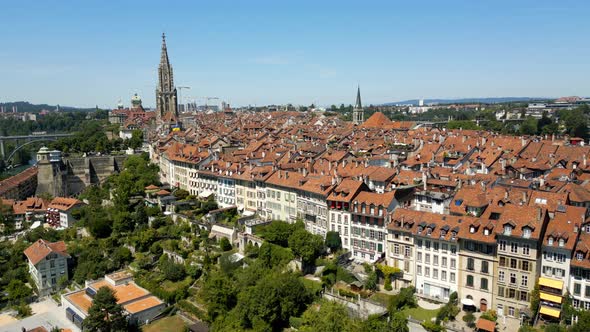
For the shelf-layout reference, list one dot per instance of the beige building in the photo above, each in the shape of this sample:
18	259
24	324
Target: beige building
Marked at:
518	236
48	262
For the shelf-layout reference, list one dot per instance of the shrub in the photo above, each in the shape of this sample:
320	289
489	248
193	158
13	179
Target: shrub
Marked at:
388	283
432	327
469	318
224	244
490	315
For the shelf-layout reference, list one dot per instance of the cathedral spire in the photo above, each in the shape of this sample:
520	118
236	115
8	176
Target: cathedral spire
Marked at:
358	104
358	114
164	57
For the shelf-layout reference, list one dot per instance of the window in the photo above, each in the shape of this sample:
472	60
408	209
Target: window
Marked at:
587	292
501	276
577	289
526	249
511	311
561	242
484	284
469	280
419	243
500	291
524	296
579	256
444	262
443	276
419	256
453	263
435	259
408	251
435	273
524	281
502	245
525	265
453	249
550	241
513	278
511	293
513	263
514	247
526	233
51	264
427	271
435	245
396	249
419	269
484	267
502	261
452	276
507	230
427	258
427	244
470	264
445	247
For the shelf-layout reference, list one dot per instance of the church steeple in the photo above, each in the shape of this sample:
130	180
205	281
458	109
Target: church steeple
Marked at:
358	114
166	99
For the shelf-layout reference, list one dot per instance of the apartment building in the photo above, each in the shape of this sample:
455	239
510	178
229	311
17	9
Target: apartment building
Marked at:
311	203
519	231
436	242
400	245
339	206
477	262
48	262
281	195
368	228
579	281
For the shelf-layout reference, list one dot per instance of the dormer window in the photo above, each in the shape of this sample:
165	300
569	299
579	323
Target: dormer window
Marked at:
526	232
507	230
486	231
419	229
579	256
453	235
372	210
429	231
550	241
561	242
471	229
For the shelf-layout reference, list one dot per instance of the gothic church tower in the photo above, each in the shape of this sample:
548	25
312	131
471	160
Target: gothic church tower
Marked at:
358	114
166	100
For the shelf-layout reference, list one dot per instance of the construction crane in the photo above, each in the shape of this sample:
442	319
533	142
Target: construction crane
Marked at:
207	99
180	94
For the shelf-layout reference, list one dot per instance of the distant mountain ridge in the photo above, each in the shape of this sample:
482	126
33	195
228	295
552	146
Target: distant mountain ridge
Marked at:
492	100
25	106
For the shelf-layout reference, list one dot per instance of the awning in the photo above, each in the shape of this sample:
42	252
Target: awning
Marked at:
205	194
550	312
468	302
557	284
550	297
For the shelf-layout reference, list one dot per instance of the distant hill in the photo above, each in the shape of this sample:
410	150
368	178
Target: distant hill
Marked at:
470	100
25	106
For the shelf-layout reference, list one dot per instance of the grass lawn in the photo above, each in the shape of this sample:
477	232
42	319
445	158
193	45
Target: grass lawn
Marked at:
166	324
381	298
420	313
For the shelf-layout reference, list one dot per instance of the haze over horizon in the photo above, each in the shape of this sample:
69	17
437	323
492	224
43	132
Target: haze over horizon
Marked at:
262	52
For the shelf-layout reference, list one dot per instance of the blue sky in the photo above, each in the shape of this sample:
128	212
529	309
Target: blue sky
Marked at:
86	53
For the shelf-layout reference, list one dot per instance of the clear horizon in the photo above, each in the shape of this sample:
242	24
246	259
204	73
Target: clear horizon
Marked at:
263	52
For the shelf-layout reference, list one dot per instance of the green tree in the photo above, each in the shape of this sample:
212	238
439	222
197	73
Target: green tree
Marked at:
219	294
399	323
277	232
529	126
527	328
327	316
469	318
17	290
535	300
554	328
372	281
333	241
105	315
136	139
583	323
305	245
404	299
224	244
171	270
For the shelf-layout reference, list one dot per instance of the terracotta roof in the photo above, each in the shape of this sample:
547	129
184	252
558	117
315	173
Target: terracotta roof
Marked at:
163	192
64	203
485	325
152	187
41	248
377	120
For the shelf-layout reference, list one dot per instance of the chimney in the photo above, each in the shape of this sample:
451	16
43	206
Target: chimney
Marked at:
541	183
424	182
576	228
585	161
286	174
540	213
524	196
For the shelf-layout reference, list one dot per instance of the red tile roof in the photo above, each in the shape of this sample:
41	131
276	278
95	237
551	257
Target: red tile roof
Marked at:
41	248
